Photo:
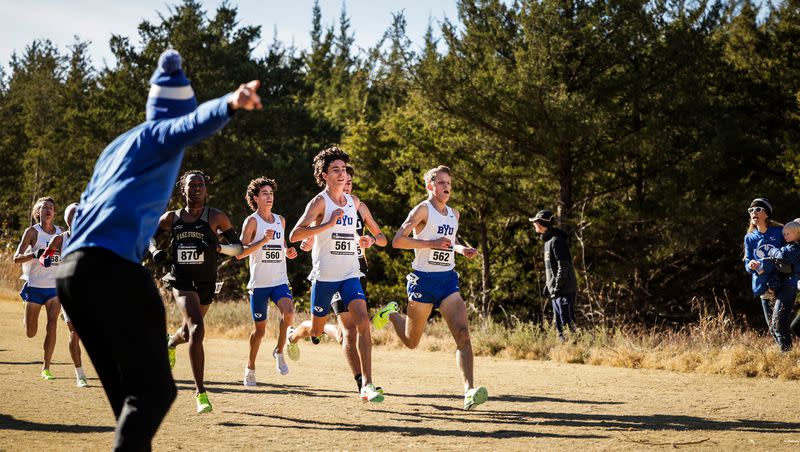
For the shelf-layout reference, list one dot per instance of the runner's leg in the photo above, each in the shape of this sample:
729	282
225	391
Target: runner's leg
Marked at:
53	308
189	304
410	327
454	311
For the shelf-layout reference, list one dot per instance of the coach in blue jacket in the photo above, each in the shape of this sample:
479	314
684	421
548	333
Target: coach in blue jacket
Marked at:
560	285
109	296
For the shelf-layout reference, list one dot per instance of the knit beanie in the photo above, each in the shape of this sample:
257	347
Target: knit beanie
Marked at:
171	94
763	202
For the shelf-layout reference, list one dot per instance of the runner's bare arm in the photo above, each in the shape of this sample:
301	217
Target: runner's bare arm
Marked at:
56	243
221	222
248	239
372	225
164	228
291	252
28	239
314	212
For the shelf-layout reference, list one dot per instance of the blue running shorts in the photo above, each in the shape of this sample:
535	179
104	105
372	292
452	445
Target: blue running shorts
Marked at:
322	293
261	295
431	287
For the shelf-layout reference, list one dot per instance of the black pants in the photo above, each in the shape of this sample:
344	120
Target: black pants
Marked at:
118	314
563	312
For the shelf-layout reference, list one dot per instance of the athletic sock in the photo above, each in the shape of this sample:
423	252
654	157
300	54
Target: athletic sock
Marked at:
79	372
358	381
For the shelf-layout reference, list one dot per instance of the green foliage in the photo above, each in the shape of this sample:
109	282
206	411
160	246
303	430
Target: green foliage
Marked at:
648	126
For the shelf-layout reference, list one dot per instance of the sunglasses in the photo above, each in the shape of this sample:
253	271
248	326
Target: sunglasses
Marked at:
753	210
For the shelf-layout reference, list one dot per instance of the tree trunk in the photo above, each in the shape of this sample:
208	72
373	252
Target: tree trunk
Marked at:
486	273
565	175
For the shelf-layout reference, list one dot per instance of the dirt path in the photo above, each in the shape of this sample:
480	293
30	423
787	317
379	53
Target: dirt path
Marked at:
532	405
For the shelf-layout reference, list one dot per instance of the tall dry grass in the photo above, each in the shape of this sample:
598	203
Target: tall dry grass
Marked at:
714	345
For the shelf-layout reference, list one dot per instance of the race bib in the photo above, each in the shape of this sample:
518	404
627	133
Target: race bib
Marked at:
359	252
442	258
343	244
55	259
272	254
218	286
190	255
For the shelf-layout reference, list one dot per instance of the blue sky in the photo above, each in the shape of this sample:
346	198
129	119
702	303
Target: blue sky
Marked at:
96	20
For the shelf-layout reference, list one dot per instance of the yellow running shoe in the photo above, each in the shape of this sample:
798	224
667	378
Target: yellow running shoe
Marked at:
382	317
475	397
47	375
203	405
170	354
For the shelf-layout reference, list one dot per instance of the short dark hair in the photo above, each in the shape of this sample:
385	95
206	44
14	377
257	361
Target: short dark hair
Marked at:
323	160
179	183
254	188
350	170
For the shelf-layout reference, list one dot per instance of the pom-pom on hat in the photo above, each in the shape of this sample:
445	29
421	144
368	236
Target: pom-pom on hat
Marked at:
171	94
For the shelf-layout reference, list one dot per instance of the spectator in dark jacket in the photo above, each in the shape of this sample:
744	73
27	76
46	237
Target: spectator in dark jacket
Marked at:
560	284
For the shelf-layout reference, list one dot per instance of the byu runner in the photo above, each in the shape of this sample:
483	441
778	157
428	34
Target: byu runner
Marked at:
335	261
344	336
39	273
263	233
193	276
55	246
433	283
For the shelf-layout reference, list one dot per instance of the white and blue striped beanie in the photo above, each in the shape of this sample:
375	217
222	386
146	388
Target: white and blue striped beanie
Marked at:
171	94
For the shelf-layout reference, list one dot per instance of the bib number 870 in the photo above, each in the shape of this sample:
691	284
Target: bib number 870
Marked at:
190	256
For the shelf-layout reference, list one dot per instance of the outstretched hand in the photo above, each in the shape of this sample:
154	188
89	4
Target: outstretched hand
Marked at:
245	97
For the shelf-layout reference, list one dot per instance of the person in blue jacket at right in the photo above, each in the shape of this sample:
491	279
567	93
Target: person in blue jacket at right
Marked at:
787	263
107	293
765	235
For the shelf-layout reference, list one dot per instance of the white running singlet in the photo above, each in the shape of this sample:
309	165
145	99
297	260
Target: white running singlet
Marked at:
268	265
334	254
34	272
437	226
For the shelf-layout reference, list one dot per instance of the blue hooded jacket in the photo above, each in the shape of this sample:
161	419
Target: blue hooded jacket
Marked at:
757	247
133	180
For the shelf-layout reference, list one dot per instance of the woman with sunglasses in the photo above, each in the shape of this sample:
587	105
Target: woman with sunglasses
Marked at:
769	283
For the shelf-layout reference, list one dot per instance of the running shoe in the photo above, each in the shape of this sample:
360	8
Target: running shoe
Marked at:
280	362
382	317
316	339
170	354
81	382
475	397
203	405
47	375
360	383
293	350
249	376
370	394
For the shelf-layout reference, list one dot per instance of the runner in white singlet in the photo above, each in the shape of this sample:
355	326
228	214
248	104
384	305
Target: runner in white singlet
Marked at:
39	273
434	283
263	234
335	261
58	243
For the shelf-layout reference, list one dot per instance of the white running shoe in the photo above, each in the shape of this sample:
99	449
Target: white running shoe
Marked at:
370	394
249	376
82	382
280	362
293	350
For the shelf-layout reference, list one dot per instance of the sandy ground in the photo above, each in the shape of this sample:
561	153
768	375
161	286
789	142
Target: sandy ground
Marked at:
532	405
